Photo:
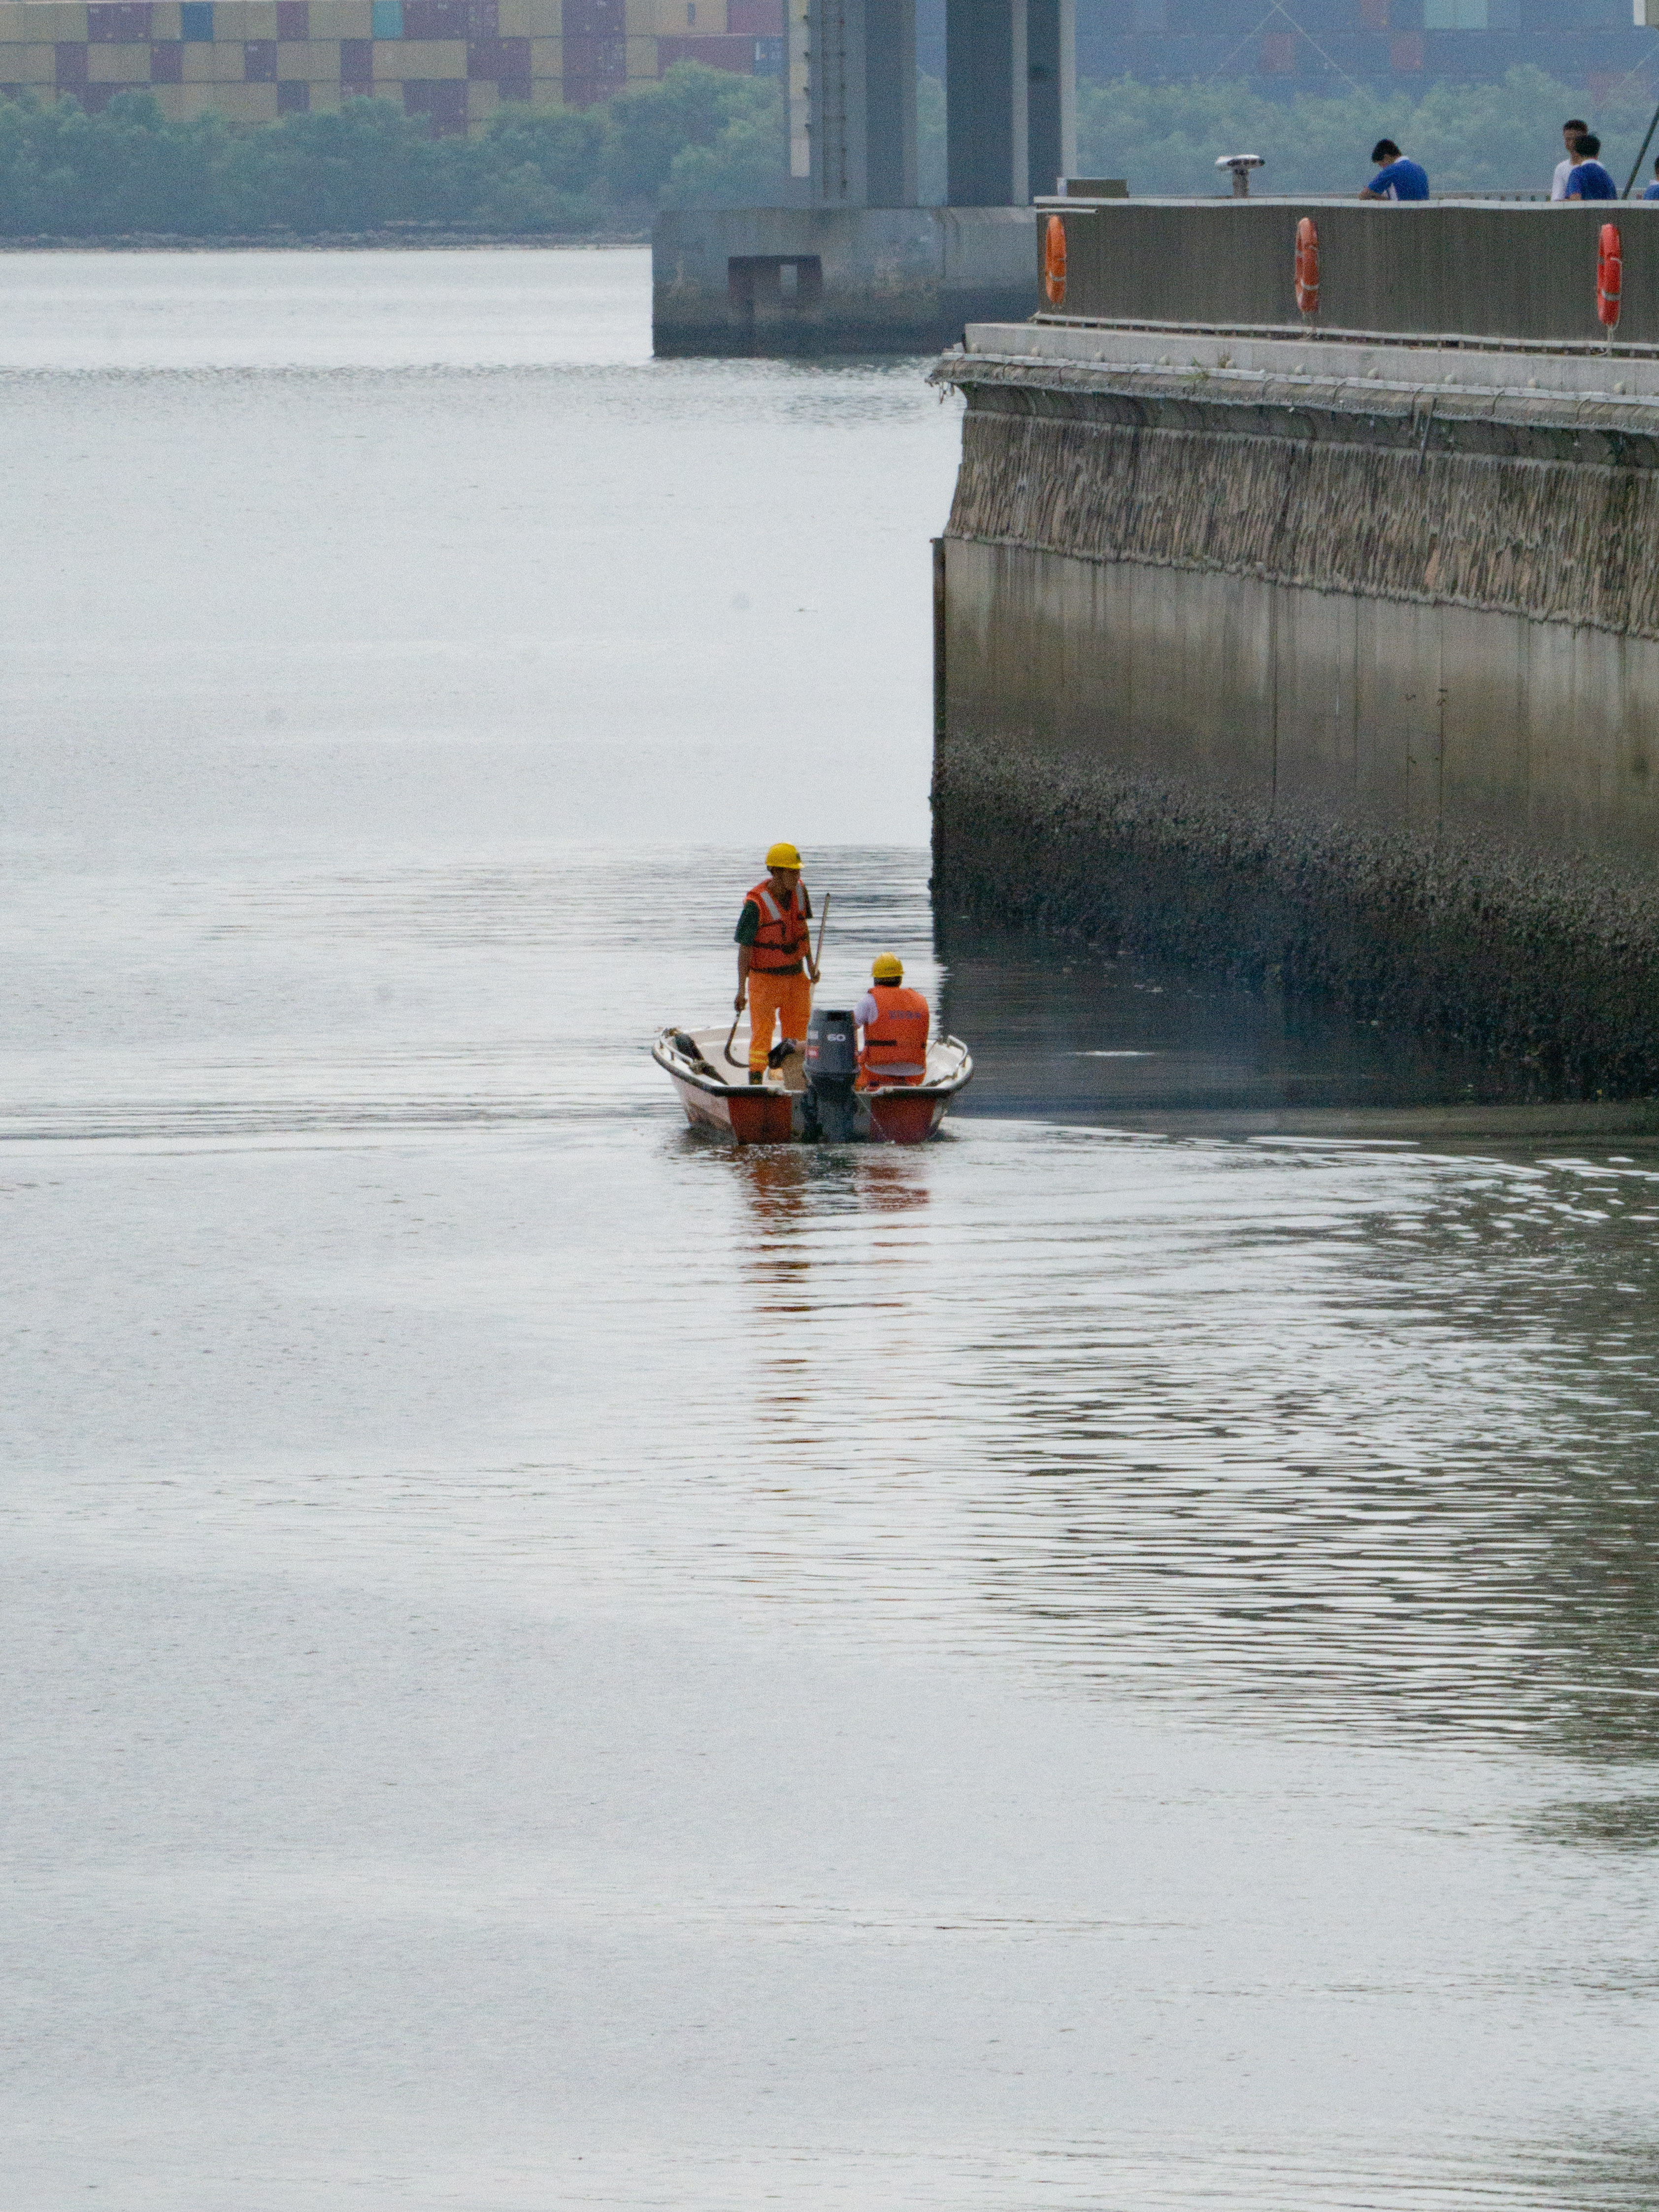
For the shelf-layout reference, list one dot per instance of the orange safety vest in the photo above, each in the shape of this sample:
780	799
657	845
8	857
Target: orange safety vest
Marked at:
896	1042
783	934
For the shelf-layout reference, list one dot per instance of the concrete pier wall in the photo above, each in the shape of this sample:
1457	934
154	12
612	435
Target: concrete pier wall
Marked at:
1441	267
1413	717
1318	674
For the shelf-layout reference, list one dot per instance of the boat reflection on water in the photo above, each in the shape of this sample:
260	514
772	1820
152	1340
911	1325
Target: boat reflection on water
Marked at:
787	1182
1350	1433
828	1239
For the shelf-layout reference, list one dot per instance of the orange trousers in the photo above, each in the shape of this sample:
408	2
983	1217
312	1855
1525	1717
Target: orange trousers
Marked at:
770	997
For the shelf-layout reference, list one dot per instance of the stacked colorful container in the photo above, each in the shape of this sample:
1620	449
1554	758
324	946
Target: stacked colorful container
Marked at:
453	61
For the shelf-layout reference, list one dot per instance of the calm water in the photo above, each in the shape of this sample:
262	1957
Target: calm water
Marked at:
1107	1663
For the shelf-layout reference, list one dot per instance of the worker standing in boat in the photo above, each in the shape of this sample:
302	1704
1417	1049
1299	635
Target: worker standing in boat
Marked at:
775	974
895	1022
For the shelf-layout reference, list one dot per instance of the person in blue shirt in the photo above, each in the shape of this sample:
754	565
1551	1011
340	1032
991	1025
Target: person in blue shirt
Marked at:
1589	180
1652	191
1397	178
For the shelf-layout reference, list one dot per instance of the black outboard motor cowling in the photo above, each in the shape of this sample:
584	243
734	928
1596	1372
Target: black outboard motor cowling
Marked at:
832	1046
832	1065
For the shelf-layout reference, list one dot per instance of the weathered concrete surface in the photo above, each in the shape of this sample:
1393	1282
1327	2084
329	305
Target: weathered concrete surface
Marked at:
1304	679
867	280
1501	377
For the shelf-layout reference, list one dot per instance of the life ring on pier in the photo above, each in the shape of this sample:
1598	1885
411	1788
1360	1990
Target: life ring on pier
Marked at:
1609	275
1307	267
1054	262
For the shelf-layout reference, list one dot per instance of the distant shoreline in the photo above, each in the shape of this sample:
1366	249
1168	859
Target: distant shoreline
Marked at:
323	242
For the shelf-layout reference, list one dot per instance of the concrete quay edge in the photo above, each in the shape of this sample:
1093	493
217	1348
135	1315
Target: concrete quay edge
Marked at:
1238	358
1507	425
1604	346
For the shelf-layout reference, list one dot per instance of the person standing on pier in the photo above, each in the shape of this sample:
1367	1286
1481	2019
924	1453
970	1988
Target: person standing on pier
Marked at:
1571	131
1396	178
1589	180
775	972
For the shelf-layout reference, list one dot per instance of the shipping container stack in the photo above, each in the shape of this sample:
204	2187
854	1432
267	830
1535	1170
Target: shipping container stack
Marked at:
453	61
1394	45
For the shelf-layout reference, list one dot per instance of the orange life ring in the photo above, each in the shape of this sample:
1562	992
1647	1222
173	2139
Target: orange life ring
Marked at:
1609	275
1307	267
1054	262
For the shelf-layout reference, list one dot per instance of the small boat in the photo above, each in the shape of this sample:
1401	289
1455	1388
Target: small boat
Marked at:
796	1105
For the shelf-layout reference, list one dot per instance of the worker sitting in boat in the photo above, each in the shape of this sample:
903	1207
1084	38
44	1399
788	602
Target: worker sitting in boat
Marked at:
894	1023
775	972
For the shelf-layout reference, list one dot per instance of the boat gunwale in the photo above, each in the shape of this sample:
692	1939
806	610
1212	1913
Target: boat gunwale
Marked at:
674	1064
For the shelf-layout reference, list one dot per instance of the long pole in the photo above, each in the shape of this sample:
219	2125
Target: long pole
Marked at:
1641	157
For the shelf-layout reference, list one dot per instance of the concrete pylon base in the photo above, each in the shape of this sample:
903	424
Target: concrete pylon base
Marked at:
836	280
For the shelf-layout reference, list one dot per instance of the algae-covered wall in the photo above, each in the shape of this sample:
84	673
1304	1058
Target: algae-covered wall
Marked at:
1351	685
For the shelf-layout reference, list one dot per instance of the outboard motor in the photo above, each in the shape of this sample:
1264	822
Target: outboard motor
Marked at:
832	1065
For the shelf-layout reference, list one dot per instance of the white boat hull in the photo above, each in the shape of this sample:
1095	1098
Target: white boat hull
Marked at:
774	1112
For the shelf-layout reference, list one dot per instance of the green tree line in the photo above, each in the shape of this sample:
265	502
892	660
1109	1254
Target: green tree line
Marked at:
1469	138
700	136
703	138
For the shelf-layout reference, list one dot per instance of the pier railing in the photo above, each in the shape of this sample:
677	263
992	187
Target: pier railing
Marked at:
1445	269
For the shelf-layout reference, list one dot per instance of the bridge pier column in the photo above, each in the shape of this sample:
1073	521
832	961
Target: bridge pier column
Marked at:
1010	95
1051	95
862	101
988	151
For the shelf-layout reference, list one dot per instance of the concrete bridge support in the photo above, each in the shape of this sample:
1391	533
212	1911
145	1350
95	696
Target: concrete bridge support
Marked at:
833	280
841	268
1051	92
860	73
1011	98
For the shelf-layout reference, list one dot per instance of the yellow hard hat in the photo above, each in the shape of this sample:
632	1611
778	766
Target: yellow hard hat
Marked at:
887	968
782	855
